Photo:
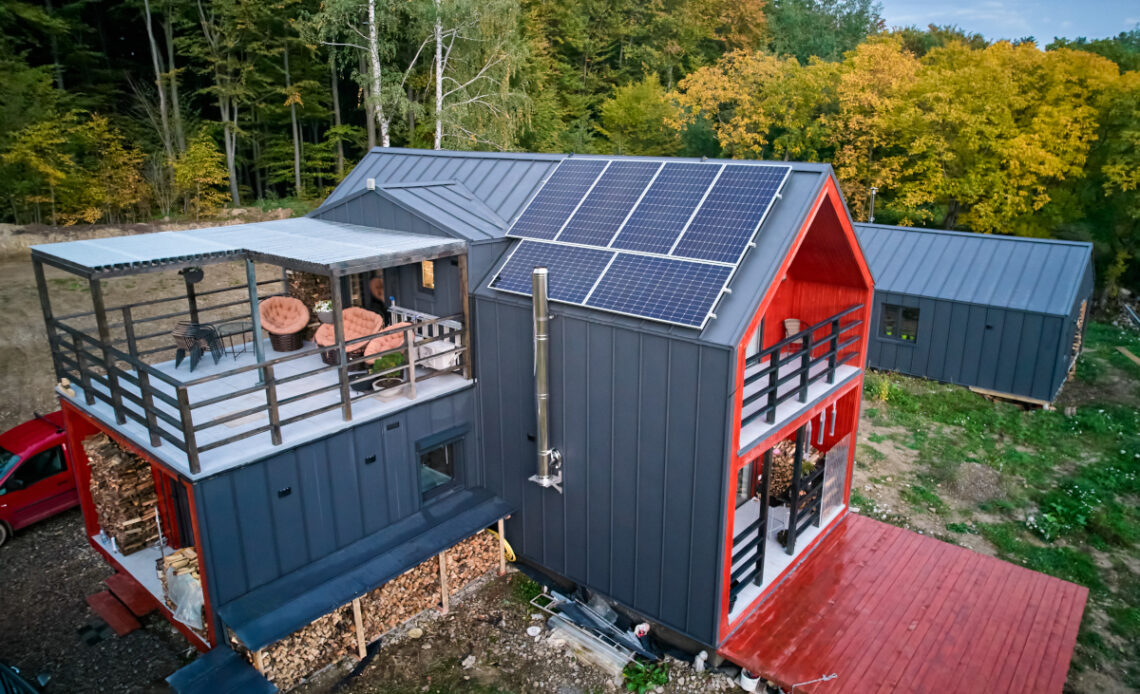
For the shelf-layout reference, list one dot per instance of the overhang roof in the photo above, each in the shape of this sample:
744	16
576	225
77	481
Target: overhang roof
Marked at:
1013	272
312	245
273	611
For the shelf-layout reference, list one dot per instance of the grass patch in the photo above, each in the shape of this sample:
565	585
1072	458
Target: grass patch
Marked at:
1063	562
523	589
922	498
71	284
871	454
962	528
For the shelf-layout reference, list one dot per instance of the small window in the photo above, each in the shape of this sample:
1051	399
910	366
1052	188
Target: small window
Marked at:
427	274
899	322
437	467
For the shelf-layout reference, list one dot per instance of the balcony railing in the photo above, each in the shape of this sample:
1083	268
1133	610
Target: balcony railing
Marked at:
172	409
813	351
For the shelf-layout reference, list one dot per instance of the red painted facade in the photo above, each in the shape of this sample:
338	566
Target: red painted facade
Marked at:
823	274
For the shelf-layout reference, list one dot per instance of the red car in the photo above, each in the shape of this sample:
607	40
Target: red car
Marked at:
35	479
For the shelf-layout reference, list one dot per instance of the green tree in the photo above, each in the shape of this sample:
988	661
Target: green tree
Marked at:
637	119
821	28
200	175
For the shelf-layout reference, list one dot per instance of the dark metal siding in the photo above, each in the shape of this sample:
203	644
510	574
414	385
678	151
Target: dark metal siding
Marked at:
403	282
1064	350
972	345
369	209
640	421
254	533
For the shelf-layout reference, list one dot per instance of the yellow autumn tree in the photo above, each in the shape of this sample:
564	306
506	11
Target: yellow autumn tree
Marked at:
985	133
761	106
874	80
200	176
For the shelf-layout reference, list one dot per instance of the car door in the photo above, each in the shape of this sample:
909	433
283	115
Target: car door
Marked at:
39	487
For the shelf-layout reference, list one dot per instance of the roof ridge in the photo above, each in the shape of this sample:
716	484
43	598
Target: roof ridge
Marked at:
973	234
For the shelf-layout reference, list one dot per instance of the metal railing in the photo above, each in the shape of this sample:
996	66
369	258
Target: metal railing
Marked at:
103	371
812	351
751	538
805	495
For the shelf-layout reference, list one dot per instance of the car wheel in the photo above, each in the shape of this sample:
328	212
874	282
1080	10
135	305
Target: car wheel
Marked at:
5	532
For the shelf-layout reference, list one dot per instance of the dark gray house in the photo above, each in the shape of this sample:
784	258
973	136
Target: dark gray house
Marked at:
1004	315
697	323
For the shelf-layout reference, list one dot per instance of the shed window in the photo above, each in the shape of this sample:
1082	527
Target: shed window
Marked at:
439	459
427	274
899	322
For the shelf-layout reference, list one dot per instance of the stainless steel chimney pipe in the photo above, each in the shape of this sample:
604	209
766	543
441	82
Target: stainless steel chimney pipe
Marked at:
548	472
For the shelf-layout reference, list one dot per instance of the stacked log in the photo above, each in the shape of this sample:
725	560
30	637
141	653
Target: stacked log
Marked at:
179	562
122	487
784	462
292	659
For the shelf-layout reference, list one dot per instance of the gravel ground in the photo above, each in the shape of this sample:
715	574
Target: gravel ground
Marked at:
46	571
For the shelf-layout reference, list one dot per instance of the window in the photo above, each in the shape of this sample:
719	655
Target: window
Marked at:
427	274
37	468
439	461
899	322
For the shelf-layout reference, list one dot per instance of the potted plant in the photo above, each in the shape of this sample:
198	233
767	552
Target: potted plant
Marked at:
324	311
389	384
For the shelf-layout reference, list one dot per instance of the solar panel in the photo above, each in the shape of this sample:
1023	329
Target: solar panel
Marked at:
555	202
606	206
731	212
573	271
662	289
666	207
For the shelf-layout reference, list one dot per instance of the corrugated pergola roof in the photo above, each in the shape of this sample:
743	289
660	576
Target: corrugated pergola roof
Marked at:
1027	274
309	244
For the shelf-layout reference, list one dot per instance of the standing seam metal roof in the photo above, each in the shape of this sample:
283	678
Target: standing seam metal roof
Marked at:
1028	274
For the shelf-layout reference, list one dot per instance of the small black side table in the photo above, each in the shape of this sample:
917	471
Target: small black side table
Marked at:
229	330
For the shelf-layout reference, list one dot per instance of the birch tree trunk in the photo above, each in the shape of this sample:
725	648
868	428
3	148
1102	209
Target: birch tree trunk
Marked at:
167	142
336	112
296	129
369	121
229	140
438	143
374	63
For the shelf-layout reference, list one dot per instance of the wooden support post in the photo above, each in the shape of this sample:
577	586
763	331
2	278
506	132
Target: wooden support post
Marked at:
443	582
358	618
271	401
793	507
191	296
49	320
502	548
188	430
342	358
105	342
763	492
464	305
410	342
144	378
259	661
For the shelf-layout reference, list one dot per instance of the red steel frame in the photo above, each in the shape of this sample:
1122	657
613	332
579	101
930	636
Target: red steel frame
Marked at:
79	426
829	195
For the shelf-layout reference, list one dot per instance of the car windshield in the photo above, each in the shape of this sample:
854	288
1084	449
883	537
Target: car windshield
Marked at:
8	460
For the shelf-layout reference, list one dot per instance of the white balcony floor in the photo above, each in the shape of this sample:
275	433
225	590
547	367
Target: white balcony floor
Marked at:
755	431
776	558
364	408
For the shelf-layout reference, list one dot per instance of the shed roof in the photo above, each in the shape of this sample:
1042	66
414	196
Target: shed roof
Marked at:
1027	274
343	248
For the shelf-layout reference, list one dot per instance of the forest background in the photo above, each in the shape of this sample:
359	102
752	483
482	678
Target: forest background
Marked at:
131	110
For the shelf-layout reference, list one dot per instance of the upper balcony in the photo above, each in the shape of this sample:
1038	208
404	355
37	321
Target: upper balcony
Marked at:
235	397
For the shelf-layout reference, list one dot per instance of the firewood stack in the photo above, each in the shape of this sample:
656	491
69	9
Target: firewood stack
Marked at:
784	462
122	488
183	561
308	649
290	660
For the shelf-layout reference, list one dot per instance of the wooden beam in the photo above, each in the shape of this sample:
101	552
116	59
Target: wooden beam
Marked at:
255	315
49	322
361	644
1130	355
259	661
1010	396
96	287
342	358
191	296
443	582
502	549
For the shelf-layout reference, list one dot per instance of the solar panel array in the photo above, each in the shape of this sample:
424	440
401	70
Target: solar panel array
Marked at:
648	239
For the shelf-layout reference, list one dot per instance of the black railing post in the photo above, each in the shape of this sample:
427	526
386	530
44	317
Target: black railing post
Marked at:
271	400
793	506
765	480
833	351
105	342
342	356
49	320
188	430
773	380
144	378
805	365
84	370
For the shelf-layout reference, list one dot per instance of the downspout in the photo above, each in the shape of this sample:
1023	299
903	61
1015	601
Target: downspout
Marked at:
549	469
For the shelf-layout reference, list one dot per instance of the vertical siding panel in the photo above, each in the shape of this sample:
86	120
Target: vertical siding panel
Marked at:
224	545
574	434
317	498
685	365
941	314
288	523
373	487
974	338
1012	335
340	458
623	513
600	454
656	392
991	348
255	523
1029	354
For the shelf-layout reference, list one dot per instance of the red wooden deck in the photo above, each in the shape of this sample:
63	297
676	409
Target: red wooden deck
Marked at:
890	610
